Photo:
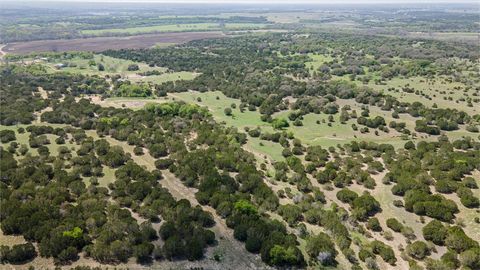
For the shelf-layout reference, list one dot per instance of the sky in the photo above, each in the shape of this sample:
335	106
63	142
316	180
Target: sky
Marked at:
267	1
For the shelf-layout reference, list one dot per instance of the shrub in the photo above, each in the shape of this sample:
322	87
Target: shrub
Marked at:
7	136
384	251
435	231
18	253
471	258
394	224
365	206
374	225
346	196
321	248
418	250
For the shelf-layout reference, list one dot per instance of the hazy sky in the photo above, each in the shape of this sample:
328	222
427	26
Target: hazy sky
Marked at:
267	1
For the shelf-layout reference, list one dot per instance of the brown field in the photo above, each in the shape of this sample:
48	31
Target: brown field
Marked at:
104	43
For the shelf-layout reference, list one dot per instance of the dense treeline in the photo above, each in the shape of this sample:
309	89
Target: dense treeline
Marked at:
57	25
80	218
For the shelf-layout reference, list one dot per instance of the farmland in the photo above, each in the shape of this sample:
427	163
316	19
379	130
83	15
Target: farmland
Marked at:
98	44
175	28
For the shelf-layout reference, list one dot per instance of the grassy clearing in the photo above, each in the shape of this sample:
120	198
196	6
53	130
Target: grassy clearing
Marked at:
165	77
107	178
163	44
265	148
116	66
317	61
22	138
238	119
433	89
127	102
217	106
112	66
174	28
338	133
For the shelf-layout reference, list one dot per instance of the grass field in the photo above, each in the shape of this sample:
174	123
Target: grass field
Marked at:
317	61
23	139
174	28
433	89
112	66
217	106
165	77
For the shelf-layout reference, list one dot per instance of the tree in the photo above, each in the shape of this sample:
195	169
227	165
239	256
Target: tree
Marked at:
471	258
194	249
132	67
279	123
7	135
291	213
280	255
458	240
228	111
374	225
435	231
101	67
418	250
394	224
365	206
173	247
346	195
67	255
18	253
384	251
321	248
143	252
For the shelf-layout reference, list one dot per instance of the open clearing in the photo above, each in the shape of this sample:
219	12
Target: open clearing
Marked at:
445	94
98	44
112	66
310	133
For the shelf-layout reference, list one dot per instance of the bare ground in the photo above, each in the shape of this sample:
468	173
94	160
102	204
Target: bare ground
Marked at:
98	44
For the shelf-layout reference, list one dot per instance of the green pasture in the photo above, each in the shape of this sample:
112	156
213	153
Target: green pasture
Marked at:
175	28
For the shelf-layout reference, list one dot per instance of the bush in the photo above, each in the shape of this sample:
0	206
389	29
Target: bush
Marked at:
363	254
467	198
163	164
281	256
394	224
133	67
365	206
279	123
457	240
384	251
418	250
346	196
138	151
321	248
7	136
18	254
374	225
435	231
471	258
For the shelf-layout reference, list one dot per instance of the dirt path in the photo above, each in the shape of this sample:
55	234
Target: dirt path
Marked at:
44	95
233	251
2	53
